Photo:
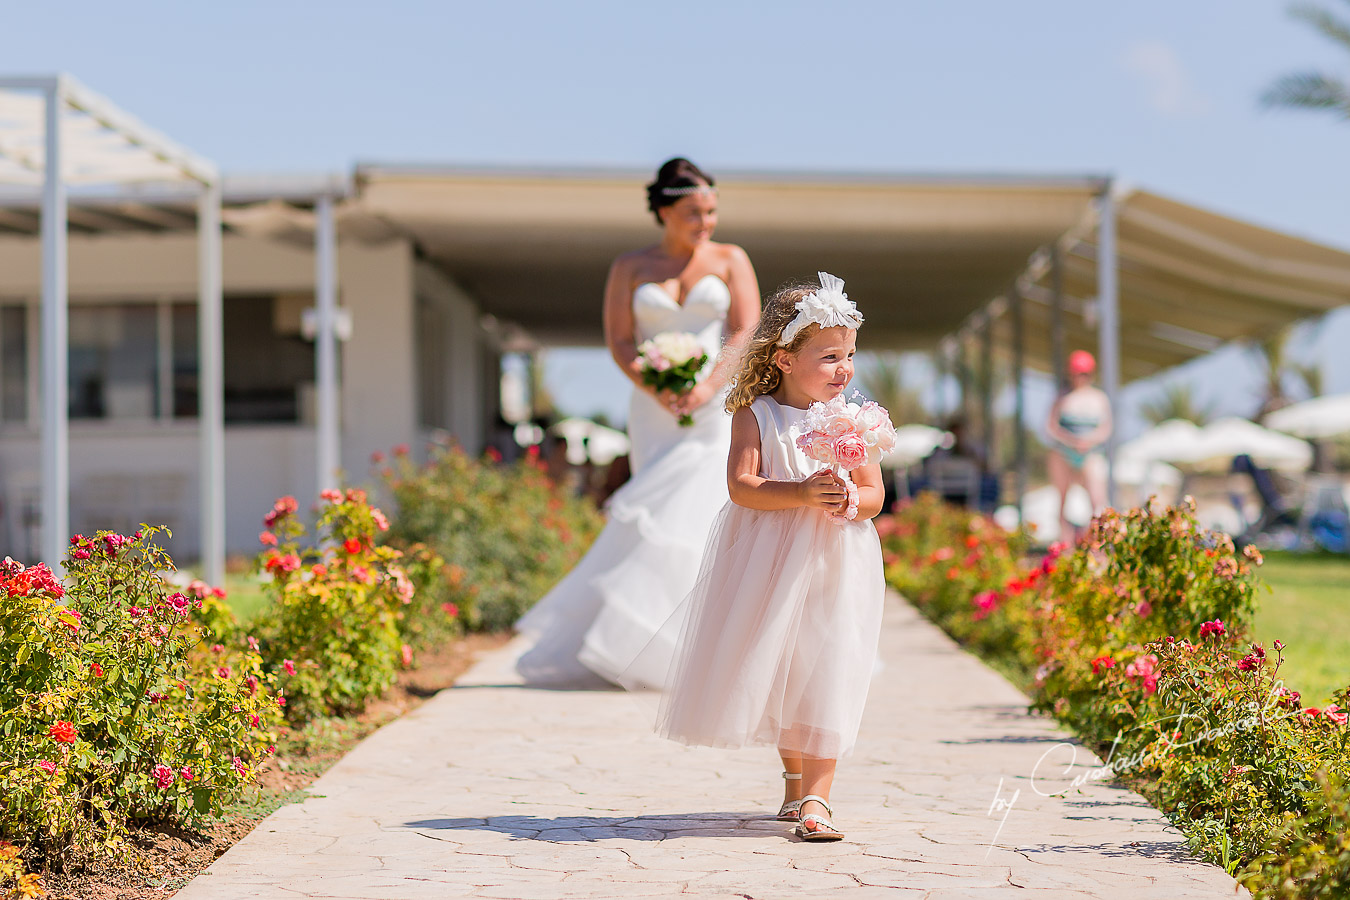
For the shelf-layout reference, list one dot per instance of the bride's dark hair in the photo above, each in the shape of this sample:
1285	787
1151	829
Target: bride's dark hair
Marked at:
674	174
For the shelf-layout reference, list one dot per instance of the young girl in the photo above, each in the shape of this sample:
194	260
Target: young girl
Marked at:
781	635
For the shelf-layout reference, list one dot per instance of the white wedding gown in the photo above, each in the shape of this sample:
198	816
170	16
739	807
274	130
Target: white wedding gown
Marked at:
592	626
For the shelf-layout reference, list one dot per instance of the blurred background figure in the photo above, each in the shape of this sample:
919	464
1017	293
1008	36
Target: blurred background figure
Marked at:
1078	426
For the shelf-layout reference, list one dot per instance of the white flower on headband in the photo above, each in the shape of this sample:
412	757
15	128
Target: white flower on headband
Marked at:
828	307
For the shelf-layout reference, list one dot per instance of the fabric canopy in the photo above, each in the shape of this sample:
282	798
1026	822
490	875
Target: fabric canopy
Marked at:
925	257
1190	281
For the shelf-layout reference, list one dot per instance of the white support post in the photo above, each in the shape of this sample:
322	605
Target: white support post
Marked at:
1108	327
1016	307
325	350
210	384
55	433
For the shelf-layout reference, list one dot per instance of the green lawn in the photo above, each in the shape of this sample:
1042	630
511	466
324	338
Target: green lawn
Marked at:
1308	608
244	594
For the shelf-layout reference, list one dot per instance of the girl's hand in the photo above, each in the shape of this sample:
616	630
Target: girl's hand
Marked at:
824	490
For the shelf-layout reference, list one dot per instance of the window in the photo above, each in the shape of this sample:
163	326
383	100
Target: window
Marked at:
269	367
138	360
183	380
113	362
13	364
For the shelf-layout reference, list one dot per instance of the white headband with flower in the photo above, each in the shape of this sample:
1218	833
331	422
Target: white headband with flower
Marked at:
828	307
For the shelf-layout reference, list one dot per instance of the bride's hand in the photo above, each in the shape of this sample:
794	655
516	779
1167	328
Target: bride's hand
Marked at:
697	396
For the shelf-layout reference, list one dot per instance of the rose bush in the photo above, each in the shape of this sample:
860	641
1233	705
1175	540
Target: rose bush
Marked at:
506	533
1138	639
330	634
108	712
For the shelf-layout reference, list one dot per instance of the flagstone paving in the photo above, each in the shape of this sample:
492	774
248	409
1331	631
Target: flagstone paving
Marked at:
496	790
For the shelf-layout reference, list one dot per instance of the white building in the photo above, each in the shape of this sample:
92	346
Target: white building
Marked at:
418	361
442	270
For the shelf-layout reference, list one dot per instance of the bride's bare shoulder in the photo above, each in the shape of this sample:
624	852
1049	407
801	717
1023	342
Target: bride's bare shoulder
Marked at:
634	259
727	252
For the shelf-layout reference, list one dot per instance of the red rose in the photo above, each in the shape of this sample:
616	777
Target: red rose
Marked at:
351	545
63	732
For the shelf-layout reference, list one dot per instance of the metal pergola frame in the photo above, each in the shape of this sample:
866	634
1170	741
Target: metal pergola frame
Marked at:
1101	218
55	165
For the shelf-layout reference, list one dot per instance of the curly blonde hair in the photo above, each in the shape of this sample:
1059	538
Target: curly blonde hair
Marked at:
757	373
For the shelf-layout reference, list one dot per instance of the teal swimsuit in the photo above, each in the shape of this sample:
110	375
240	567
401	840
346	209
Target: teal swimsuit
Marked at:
1076	425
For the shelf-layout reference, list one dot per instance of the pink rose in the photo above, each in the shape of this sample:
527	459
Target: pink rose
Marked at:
47	766
817	445
164	776
289	666
839	425
849	450
885	436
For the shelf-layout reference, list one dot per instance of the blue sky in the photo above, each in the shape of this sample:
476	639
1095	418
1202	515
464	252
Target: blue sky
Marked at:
1161	94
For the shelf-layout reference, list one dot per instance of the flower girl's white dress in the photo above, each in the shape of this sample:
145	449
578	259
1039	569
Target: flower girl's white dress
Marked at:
779	639
596	621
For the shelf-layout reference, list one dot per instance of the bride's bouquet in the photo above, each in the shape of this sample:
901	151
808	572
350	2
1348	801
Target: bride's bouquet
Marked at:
846	435
671	361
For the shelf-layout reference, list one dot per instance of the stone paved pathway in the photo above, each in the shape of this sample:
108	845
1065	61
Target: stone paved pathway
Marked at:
494	790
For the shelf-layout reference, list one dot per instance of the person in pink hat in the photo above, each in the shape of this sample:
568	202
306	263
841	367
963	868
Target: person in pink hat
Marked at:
1079	425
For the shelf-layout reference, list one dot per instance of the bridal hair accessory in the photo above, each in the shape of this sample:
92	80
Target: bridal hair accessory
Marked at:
828	307
685	191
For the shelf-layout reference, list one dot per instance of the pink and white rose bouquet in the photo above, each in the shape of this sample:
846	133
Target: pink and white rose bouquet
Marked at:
845	435
671	361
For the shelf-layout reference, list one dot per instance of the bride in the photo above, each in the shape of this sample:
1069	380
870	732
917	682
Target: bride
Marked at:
593	624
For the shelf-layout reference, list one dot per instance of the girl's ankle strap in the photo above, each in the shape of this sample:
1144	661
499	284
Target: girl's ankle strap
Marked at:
792	776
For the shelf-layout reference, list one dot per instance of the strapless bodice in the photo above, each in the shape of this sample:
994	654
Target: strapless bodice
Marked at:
703	313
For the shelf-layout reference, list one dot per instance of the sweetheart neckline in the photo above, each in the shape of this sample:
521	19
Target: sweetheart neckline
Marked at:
687	294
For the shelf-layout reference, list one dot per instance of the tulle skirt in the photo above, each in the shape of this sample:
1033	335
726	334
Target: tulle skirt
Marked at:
596	622
776	644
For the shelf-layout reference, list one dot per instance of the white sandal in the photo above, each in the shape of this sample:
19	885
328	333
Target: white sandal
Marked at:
790	811
814	827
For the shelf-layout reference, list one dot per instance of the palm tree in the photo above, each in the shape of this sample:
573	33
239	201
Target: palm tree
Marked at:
1177	402
1311	375
881	377
1272	353
1314	90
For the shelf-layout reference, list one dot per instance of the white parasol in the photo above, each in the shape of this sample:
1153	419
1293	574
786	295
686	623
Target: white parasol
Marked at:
1220	441
1320	417
914	443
